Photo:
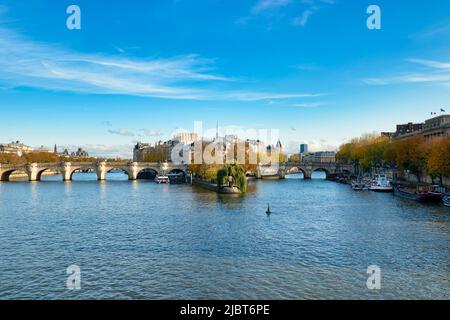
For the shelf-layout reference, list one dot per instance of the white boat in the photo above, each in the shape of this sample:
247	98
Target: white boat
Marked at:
380	183
359	186
446	201
162	180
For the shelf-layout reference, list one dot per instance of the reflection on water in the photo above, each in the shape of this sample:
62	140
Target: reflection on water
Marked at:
140	240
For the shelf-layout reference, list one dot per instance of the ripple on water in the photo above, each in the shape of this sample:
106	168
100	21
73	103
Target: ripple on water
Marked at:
146	241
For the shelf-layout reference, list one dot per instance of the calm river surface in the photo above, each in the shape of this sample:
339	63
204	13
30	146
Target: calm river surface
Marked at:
140	240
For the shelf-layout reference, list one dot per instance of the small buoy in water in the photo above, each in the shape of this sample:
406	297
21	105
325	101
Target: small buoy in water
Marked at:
268	209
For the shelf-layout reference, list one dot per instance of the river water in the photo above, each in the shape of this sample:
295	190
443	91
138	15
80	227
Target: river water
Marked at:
140	240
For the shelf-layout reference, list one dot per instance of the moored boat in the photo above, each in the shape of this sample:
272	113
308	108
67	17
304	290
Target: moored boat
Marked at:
162	180
421	193
275	176
359	186
380	183
446	201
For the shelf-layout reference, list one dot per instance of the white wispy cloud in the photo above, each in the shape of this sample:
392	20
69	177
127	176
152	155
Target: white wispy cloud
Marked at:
432	71
408	78
142	133
149	133
279	8
293	146
303	19
32	64
312	6
308	67
263	5
309	105
432	64
257	96
121	132
436	31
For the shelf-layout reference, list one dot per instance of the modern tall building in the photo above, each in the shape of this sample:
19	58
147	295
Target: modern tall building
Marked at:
303	148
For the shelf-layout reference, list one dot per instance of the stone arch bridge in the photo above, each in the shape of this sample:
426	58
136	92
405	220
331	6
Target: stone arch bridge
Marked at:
331	169
67	169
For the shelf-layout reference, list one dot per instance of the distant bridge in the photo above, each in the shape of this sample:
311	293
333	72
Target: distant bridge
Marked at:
307	168
67	169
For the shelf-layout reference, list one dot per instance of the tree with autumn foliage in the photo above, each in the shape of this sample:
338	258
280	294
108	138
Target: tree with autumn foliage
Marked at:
41	157
438	161
368	151
412	154
155	156
416	155
205	171
9	158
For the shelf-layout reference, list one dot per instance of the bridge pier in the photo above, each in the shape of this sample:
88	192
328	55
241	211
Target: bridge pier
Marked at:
258	172
101	171
66	171
133	171
33	172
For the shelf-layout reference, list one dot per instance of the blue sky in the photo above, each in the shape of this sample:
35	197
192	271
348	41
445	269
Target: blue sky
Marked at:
139	70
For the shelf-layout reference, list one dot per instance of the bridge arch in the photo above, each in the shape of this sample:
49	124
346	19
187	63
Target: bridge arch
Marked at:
322	169
6	175
148	173
125	170
177	170
177	175
297	170
294	170
80	170
108	170
42	170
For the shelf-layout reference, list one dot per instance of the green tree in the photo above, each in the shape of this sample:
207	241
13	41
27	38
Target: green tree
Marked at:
236	172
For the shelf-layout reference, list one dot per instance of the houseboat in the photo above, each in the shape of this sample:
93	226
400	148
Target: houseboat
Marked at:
420	193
